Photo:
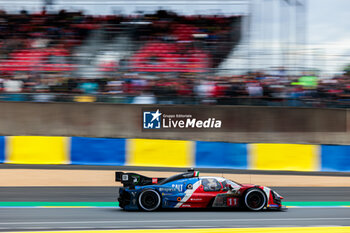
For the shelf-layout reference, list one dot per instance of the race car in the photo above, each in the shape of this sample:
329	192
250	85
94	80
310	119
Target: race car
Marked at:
188	190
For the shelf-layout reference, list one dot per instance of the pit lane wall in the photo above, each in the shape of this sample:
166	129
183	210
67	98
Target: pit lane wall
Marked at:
173	153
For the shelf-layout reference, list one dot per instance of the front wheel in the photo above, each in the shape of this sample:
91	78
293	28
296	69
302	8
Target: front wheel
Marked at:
149	200
255	199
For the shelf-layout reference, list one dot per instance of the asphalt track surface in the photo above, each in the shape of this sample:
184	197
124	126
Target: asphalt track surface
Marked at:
169	169
18	219
115	218
37	219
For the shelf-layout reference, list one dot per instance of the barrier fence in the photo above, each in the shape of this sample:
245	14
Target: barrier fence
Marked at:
173	153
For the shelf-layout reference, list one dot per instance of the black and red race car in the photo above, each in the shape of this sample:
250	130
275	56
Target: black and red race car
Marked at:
188	190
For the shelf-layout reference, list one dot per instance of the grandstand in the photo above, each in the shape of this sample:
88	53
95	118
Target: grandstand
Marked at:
160	56
159	42
41	42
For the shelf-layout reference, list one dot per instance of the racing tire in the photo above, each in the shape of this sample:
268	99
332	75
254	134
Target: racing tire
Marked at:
255	199
149	200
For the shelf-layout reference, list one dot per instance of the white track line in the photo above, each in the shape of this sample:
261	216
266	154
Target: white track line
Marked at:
183	220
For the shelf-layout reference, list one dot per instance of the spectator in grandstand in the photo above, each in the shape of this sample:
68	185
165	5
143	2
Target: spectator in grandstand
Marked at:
88	86
254	90
12	85
144	98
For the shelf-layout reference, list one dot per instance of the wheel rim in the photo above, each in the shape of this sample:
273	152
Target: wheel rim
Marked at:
255	200
149	200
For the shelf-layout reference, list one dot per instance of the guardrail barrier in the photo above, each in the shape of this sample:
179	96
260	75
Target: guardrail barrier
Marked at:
173	153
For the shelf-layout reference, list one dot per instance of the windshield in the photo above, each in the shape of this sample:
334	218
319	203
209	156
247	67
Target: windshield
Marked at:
230	182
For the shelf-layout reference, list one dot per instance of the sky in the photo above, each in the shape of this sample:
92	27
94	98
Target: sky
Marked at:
316	37
330	30
319	40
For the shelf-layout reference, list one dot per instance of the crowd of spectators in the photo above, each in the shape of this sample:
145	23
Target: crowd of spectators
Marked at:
164	40
184	43
166	88
173	63
41	41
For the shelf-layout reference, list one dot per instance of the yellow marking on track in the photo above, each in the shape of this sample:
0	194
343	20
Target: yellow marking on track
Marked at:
219	230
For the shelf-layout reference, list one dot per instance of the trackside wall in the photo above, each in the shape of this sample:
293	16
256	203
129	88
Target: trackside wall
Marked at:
243	124
173	153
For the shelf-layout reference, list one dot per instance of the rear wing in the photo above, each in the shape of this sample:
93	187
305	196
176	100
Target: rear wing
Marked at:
133	179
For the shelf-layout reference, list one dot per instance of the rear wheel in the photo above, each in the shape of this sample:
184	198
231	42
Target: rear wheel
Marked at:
149	200
255	199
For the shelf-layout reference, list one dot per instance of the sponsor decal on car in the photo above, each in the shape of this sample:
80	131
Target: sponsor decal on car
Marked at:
166	190
178	187
154	180
125	177
186	205
135	178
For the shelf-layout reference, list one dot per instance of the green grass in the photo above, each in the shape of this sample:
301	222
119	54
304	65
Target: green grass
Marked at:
316	203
